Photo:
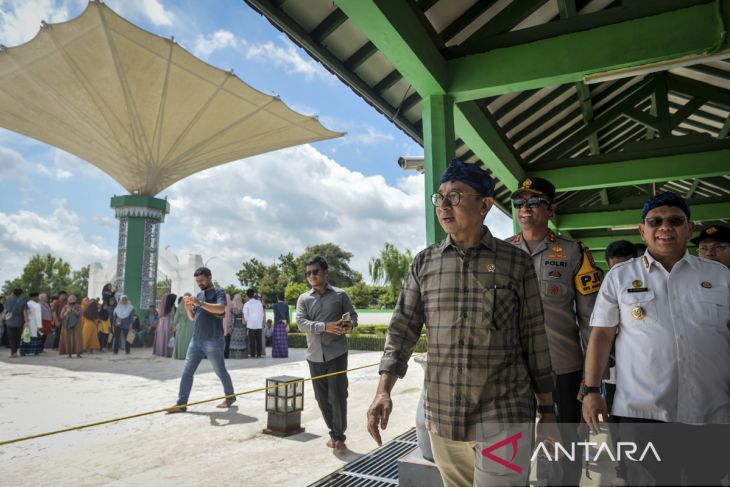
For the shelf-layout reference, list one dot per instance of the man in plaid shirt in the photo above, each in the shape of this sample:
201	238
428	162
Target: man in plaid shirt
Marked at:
488	356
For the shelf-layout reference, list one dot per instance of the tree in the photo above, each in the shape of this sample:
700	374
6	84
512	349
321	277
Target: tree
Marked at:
80	282
391	267
51	275
251	272
360	294
338	262
293	291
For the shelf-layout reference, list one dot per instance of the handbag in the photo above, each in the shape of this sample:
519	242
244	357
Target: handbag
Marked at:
171	342
131	335
25	337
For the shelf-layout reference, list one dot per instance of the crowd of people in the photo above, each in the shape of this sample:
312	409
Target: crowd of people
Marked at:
518	329
40	322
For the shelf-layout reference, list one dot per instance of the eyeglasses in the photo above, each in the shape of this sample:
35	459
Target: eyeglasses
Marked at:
673	221
530	202
315	272
712	249
453	197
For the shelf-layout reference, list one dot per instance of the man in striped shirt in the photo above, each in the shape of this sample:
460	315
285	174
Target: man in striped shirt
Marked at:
488	356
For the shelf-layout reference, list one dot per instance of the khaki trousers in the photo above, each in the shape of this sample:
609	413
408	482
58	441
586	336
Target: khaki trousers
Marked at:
463	464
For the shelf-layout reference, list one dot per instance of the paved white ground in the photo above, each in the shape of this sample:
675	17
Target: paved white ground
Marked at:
205	446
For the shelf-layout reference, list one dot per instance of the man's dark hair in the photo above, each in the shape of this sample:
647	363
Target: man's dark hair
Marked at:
202	271
250	292
280	296
640	248
621	248
17	292
62	292
33	294
317	260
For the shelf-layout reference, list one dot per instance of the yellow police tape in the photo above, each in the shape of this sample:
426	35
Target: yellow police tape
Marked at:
147	413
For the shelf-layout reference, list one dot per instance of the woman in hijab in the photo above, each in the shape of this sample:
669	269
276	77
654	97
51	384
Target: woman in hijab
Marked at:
165	325
238	329
72	337
107	294
89	327
105	327
122	319
183	330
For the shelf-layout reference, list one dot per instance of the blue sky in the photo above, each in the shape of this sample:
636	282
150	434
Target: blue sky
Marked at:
349	190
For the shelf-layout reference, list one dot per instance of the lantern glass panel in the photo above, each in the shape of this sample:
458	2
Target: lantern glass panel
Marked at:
280	405
299	403
270	403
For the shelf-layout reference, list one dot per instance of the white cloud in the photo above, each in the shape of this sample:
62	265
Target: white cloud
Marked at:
285	201
152	10
371	135
287	56
20	20
26	233
205	45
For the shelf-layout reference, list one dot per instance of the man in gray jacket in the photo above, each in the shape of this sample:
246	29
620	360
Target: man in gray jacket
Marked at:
322	313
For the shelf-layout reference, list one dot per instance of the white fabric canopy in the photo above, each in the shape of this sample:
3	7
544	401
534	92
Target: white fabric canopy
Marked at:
136	105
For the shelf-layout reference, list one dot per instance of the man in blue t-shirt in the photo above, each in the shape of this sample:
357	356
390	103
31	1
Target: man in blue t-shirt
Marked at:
207	309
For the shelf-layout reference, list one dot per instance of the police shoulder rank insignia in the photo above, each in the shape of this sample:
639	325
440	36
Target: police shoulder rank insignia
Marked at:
711	230
706	285
589	277
491	268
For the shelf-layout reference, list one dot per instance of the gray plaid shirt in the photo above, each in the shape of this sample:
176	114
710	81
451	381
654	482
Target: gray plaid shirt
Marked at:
487	348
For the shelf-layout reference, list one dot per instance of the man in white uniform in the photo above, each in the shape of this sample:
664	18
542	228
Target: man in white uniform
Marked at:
672	355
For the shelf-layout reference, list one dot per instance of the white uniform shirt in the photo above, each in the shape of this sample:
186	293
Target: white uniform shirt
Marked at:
253	313
674	364
34	317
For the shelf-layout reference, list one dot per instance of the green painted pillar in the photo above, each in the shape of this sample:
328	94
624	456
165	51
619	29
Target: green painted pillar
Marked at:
438	147
139	240
515	224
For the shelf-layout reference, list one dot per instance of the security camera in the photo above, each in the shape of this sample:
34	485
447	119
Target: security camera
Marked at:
411	162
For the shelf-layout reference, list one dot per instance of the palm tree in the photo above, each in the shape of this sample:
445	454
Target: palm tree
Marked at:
391	267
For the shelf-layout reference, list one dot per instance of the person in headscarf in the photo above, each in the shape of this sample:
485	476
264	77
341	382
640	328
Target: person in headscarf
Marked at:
164	332
46	320
105	327
237	330
280	340
90	330
107	294
122	319
149	326
72	336
111	306
183	330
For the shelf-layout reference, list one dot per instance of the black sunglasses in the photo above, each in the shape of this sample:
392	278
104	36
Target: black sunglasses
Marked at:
315	272
530	202
674	221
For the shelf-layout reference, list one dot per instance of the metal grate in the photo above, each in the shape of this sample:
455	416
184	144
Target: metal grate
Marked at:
378	468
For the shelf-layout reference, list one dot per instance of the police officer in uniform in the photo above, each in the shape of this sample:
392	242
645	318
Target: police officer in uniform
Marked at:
569	281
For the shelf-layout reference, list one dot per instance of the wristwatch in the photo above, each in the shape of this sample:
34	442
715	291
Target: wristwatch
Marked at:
546	409
590	390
